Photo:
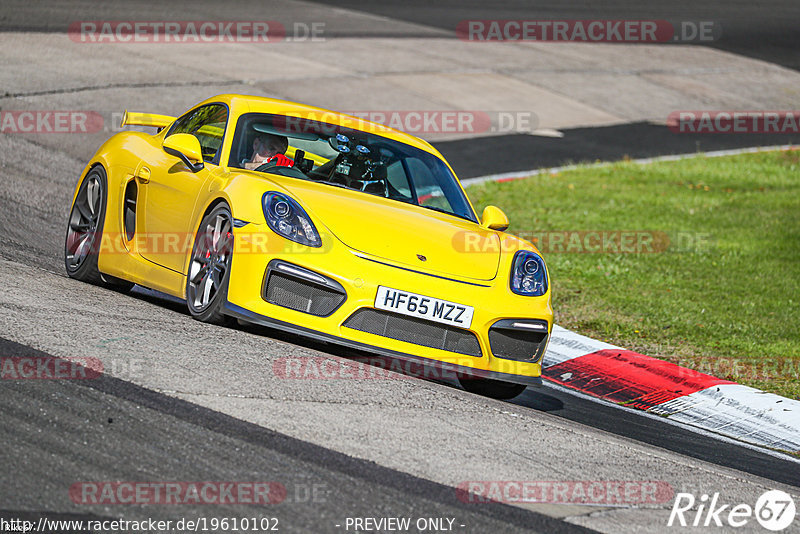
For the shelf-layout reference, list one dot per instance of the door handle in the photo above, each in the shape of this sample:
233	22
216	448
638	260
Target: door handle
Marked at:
143	175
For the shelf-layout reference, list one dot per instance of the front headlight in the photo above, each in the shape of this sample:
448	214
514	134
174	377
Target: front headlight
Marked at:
528	274
285	216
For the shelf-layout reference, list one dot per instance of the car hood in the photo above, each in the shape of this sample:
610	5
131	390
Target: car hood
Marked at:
401	233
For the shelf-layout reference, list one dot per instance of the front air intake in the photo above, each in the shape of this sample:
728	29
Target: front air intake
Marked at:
416	331
520	340
292	289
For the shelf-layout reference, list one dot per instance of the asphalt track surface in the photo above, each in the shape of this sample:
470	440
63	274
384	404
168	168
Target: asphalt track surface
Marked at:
96	423
58	432
763	30
511	153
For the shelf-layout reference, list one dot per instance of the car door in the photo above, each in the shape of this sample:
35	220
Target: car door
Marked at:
171	189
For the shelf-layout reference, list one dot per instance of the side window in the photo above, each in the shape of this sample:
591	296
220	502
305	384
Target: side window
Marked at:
208	125
428	189
398	179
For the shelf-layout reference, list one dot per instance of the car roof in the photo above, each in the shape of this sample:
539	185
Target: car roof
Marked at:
240	104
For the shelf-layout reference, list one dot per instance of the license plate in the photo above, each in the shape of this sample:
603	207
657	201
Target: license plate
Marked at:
423	307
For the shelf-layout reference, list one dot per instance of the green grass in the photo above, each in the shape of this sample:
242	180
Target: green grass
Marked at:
723	297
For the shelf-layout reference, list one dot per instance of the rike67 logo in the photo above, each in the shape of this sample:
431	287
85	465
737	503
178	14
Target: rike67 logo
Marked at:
775	510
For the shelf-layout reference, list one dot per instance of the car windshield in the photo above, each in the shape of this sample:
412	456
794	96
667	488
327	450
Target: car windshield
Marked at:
349	158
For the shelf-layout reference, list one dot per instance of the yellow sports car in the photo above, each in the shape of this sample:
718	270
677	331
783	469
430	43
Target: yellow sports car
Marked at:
316	223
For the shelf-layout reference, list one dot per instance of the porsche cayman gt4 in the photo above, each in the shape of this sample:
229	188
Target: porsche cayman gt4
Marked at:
317	223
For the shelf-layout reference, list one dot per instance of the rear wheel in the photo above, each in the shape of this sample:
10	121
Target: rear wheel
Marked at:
495	389
85	232
209	269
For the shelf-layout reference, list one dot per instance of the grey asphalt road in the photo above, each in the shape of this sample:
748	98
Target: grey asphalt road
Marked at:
75	431
763	30
474	158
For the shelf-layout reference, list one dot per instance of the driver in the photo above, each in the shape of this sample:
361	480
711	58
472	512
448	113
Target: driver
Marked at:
269	148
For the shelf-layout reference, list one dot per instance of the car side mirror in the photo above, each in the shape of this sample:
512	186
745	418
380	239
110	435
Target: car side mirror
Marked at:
493	218
185	147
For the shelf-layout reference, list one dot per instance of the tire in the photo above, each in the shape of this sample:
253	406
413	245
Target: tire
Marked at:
85	232
487	387
209	267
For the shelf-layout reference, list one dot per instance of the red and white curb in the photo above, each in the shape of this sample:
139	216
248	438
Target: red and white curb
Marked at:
662	388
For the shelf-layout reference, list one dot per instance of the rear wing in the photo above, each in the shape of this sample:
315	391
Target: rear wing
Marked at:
134	118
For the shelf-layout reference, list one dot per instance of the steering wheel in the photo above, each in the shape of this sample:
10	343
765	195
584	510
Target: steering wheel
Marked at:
281	170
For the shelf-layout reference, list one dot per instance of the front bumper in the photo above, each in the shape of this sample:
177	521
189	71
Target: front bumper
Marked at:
440	368
359	276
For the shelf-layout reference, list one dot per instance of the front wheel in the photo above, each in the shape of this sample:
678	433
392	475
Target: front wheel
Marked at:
495	389
209	269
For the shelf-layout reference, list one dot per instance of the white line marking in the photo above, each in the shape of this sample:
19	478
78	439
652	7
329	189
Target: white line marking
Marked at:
565	345
741	411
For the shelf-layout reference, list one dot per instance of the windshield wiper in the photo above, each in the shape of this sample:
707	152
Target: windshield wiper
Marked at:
442	210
